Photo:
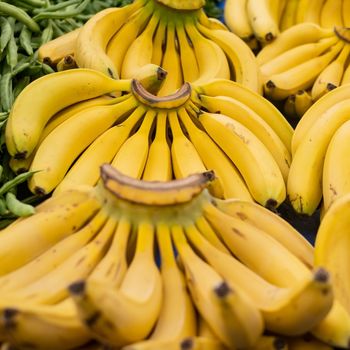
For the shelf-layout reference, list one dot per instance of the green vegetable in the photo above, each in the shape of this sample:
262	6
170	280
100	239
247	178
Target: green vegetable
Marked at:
6	187
6	33
17	207
6	91
25	40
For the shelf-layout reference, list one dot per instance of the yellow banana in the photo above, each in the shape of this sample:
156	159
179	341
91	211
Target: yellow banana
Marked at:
288	18
331	14
289	107
331	76
159	149
132	155
43	98
307	343
346	76
304	185
53	158
213	158
303	102
346	13
257	166
261	106
159	41
313	11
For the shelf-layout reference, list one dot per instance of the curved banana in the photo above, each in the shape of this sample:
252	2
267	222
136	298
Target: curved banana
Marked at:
336	168
313	11
91	43
246	318
304	186
54	50
53	158
261	106
251	120
303	102
242	60
159	41
346	76
331	14
257	166
213	158
345	12
127	314
331	76
86	169
299	34
132	155
41	97
288	18
159	149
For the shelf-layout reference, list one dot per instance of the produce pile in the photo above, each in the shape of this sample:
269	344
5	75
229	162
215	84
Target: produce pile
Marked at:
152	161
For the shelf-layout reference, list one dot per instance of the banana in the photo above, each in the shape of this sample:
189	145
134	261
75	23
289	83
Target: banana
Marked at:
299	16
289	107
236	18
86	169
140	50
261	19
159	41
295	56
303	102
159	149
171	62
132	155
272	224
54	158
313	11
307	343
210	22
248	118
190	71
276	8
241	58
313	113
128	314
289	15
52	287
177	319
345	12
331	76
281	85
261	106
54	50
346	76
128	32
331	14
294	36
27	239
67	62
183	4
91	43
304	186
44	327
51	258
257	166
212	62
229	178
202	289
43	99
270	342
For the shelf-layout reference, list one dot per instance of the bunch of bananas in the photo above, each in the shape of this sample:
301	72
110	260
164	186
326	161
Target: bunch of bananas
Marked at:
74	127
84	266
320	143
176	35
305	57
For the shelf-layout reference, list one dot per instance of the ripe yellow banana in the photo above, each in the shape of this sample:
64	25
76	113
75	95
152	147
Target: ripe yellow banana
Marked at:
130	311
132	155
346	13
304	184
307	343
336	169
251	120
53	158
48	95
289	14
213	158
303	102
241	58
261	106
289	107
331	14
159	42
313	11
159	149
346	76
331	76
257	166
299	34
91	43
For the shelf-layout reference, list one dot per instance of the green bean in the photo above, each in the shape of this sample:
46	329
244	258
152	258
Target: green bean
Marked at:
20	85
20	15
12	52
17	207
21	5
62	14
15	181
66	27
1	170
34	3
47	69
25	40
3	116
56	7
47	33
6	32
3	207
56	29
20	68
6	91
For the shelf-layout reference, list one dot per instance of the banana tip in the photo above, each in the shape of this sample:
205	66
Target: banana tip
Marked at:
77	288
321	275
186	344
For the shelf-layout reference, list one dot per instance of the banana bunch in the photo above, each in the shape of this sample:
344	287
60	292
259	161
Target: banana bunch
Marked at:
326	13
74	126
99	263
320	166
304	63
176	35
